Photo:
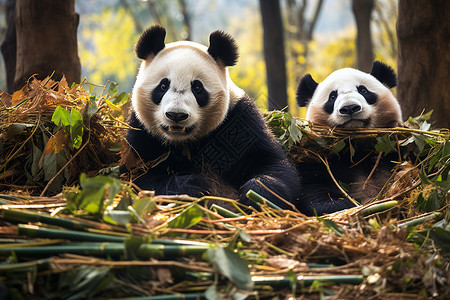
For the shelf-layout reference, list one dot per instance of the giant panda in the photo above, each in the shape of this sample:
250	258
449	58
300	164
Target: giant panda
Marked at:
347	98
198	130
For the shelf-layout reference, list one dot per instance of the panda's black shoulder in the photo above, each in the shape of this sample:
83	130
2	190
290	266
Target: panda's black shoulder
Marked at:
147	145
252	125
248	112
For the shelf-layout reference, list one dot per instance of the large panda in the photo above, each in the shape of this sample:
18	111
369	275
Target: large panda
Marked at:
199	130
347	98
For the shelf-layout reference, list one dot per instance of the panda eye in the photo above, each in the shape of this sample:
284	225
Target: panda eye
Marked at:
362	90
197	87
164	85
332	96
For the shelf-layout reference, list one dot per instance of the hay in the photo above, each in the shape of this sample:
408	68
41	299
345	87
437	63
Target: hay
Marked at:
105	238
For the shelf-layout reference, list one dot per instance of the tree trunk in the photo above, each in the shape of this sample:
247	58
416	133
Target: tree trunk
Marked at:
423	37
46	40
9	46
274	53
362	10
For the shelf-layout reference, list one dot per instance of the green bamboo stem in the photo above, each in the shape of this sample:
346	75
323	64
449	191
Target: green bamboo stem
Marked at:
169	251
107	249
252	195
40	264
42	232
224	212
93	249
25	216
378	207
281	281
420	220
190	296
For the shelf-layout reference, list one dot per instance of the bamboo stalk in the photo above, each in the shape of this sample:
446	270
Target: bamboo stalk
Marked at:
255	197
170	251
94	249
420	220
281	281
190	296
42	232
378	207
40	264
223	211
28	216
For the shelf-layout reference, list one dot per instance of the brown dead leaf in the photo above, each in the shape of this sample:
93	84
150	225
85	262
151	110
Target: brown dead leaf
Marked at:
5	98
57	142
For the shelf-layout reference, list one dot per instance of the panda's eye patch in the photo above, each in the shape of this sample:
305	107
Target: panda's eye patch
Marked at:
197	87
370	97
200	94
332	96
164	84
329	105
362	90
160	90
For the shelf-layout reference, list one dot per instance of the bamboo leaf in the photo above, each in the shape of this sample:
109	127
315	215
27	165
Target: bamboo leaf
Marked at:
61	117
187	218
76	128
232	266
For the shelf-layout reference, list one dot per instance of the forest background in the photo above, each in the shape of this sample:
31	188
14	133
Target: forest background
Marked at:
279	41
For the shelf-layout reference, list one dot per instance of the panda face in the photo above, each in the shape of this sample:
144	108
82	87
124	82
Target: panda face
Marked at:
181	94
183	90
351	99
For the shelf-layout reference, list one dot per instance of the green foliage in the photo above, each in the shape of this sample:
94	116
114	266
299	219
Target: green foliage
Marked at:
232	266
188	218
71	122
385	145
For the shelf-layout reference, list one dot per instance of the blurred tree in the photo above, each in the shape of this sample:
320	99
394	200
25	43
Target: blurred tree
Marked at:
46	41
300	31
423	34
274	53
9	47
362	10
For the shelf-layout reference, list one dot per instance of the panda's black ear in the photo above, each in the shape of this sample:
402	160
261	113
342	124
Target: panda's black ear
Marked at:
150	42
223	47
305	90
384	73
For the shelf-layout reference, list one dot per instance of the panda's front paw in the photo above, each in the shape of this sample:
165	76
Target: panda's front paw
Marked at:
191	184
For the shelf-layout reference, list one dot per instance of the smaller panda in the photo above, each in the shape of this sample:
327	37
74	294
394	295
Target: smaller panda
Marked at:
201	133
347	98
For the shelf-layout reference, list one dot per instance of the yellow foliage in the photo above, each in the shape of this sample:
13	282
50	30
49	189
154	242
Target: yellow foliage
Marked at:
106	51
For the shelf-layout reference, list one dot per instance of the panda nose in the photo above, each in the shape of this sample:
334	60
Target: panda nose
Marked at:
349	109
176	117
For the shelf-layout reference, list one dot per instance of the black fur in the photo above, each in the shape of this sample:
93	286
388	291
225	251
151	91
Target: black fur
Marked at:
237	153
159	91
384	73
150	42
370	97
329	105
319	193
200	94
223	47
305	90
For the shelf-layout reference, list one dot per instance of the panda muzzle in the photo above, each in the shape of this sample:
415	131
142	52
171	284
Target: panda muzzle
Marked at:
178	129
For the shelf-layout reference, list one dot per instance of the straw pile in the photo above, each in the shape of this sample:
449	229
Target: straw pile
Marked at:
104	238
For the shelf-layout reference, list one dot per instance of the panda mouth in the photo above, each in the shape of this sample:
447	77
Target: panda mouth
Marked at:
179	130
356	123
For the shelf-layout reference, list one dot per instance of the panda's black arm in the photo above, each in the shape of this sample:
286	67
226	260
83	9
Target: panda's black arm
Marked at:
318	198
264	160
279	176
318	193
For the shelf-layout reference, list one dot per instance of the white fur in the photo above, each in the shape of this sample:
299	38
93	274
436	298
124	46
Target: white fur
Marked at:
182	63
